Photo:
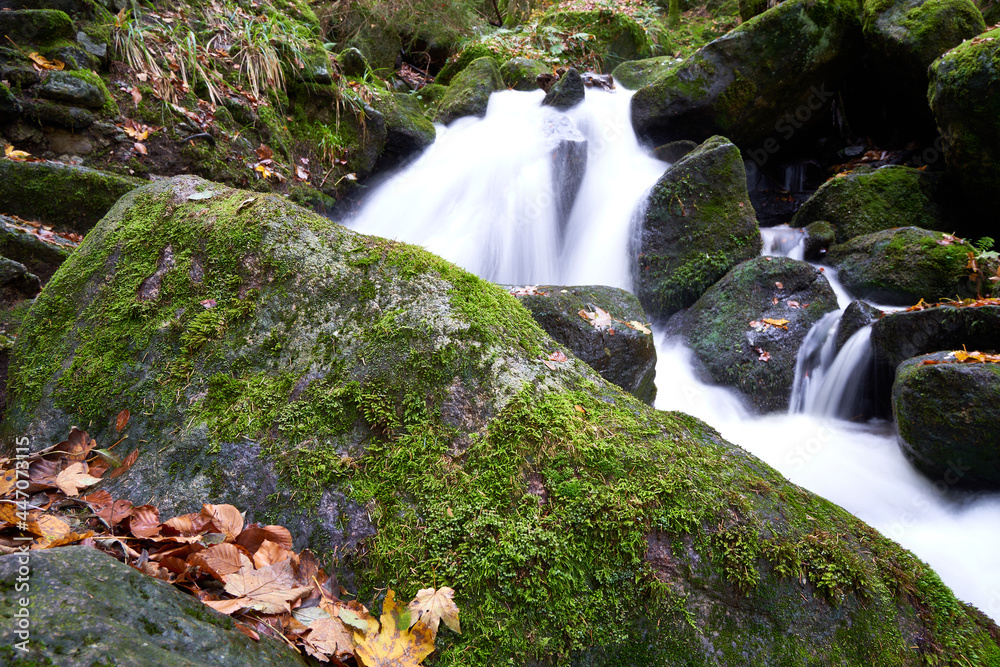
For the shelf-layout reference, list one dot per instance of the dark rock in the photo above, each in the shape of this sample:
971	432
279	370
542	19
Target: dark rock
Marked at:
39	257
567	92
674	151
522	73
407	130
86	606
9	106
616	36
77	58
379	44
60	115
857	316
64	87
622	355
74	8
398	411
595	80
698	225
905	36
469	92
84	195
889	197
946	416
635	74
729	349
14	275
820	236
546	80
569	163
899	267
352	62
900	336
748	83
97	49
964	95
35	26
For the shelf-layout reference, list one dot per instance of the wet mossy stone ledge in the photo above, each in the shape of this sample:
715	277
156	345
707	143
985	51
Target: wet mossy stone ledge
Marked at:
68	197
87	608
394	411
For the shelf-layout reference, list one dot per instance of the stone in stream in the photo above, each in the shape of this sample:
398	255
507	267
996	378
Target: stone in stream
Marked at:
865	202
735	346
522	73
623	355
87	608
568	152
635	74
902	335
901	266
749	83
470	90
946	419
820	235
567	92
964	95
857	316
407	130
396	411
698	225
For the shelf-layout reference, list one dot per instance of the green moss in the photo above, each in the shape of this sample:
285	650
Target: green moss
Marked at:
36	26
472	52
110	108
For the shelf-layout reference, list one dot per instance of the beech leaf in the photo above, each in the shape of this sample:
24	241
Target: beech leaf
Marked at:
74	478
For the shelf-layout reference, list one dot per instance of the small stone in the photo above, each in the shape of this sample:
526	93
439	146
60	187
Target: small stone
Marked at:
65	87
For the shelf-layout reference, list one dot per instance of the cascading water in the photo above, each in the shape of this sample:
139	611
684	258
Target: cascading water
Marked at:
484	196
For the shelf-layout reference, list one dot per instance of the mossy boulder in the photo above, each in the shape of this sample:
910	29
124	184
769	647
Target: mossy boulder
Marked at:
407	130
820	235
622	355
616	36
10	108
899	336
863	203
36	26
750	84
394	410
990	10
964	94
733	345
635	74
87	608
469	93
67	197
946	415
468	55
567	92
698	225
70	89
379	45
352	62
906	36
857	316
899	267
522	73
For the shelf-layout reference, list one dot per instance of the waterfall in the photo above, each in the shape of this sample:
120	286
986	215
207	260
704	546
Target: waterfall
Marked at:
488	196
783	241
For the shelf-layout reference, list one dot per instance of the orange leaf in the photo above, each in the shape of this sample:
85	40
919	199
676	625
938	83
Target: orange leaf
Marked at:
220	560
126	464
395	646
226	518
140	149
7	482
145	521
270	553
122	420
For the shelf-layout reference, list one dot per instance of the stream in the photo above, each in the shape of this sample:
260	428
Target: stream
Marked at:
484	197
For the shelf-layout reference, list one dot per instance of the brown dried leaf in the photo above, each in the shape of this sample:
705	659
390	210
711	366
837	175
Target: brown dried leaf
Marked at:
433	606
7	482
226	518
187	525
126	464
220	560
254	535
122	419
330	636
270	553
269	590
74	478
145	521
558	355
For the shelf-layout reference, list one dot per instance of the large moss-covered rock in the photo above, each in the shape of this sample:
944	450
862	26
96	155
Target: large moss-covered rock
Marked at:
902	266
567	92
946	415
820	235
735	347
964	94
522	73
407	130
616	36
899	336
65	196
394	410
889	197
469	93
622	355
87	608
379	44
698	225
750	84
635	74
36	26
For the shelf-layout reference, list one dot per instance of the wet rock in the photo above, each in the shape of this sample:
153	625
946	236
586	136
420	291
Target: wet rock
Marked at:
86	606
889	197
899	267
820	236
522	73
749	83
40	258
635	74
34	26
469	92
698	225
857	316
60	115
9	106
726	331
674	151
902	335
83	195
946	415
352	62
567	92
595	80
14	275
569	163
97	49
407	130
64	87
622	355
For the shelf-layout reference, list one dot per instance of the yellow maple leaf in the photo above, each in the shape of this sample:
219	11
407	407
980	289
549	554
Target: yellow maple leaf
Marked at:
45	63
12	154
776	323
433	606
393	646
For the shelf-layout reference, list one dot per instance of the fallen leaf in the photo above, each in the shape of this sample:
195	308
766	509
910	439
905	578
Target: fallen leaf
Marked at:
126	464
764	355
580	409
779	285
558	355
393	646
226	518
136	95
220	560
144	521
44	63
254	535
269	590
301	174
122	420
329	636
140	149
75	477
12	154
638	326
783	324
270	553
433	606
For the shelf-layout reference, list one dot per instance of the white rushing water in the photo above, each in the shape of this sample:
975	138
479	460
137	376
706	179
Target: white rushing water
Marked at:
483	197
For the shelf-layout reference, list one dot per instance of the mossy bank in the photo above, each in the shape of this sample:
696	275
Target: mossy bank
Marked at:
395	413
